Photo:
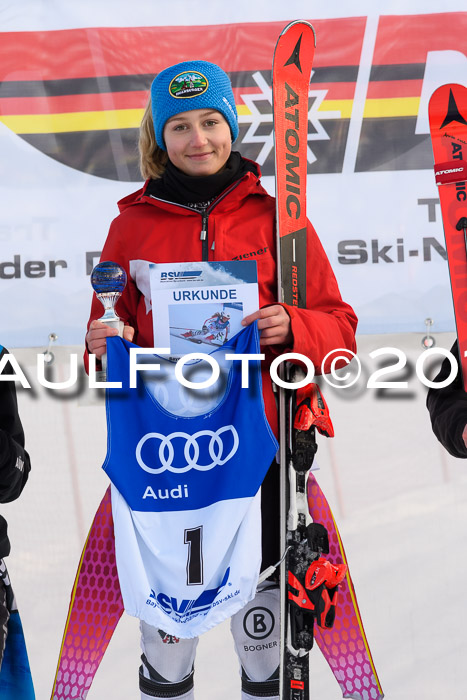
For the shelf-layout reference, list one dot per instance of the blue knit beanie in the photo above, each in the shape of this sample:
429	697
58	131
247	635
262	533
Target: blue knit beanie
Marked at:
191	85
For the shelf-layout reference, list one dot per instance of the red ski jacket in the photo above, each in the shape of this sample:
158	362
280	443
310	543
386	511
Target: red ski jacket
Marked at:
239	225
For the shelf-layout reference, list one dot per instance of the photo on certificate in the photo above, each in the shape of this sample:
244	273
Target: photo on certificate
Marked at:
203	324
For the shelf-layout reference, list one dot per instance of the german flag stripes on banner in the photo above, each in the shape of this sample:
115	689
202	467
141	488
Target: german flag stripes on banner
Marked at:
78	95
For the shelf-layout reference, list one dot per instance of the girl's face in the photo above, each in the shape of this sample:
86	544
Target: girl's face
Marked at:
198	142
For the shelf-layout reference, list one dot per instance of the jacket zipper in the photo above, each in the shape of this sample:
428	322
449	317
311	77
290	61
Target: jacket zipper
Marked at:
204	238
204	232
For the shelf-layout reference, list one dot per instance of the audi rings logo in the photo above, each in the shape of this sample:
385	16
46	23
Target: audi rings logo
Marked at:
191	450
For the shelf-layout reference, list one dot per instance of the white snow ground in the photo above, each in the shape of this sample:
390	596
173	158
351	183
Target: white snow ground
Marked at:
398	498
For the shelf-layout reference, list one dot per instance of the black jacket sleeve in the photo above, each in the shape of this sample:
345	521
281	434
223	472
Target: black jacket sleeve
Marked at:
448	409
14	460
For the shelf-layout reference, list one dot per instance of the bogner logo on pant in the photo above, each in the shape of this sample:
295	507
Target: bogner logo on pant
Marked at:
180	452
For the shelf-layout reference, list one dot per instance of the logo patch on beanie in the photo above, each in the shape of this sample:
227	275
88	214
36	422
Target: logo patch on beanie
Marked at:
188	84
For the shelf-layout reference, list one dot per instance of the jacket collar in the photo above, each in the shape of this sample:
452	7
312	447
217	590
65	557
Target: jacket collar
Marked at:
248	184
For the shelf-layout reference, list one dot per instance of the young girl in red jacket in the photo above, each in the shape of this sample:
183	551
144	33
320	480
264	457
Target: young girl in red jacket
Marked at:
203	201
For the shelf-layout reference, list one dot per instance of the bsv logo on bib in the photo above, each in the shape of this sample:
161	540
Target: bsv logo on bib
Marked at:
180	452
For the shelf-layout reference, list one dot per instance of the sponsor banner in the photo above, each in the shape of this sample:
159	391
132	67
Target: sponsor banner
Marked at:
68	133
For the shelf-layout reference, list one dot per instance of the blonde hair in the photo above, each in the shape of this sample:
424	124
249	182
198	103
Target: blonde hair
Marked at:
152	159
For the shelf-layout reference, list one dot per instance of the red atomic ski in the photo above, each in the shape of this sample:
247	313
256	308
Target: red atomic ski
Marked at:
316	588
448	126
301	540
293	59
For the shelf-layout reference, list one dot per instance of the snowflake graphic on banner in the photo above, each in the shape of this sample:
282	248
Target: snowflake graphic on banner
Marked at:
257	119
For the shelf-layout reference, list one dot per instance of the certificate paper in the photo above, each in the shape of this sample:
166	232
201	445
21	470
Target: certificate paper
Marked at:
198	306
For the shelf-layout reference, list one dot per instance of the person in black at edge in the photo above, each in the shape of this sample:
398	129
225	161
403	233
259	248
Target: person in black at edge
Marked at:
14	470
448	409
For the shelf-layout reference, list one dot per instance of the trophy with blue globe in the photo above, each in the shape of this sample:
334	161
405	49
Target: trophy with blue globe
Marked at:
108	279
